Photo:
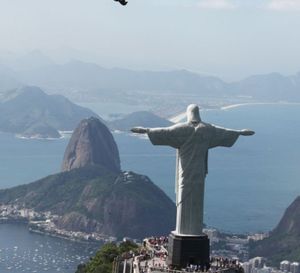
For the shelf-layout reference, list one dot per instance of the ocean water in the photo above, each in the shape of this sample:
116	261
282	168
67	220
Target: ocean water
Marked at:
26	160
247	189
248	186
22	251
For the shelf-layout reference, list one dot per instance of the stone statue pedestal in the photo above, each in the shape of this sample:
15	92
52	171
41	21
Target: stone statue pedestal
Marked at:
185	250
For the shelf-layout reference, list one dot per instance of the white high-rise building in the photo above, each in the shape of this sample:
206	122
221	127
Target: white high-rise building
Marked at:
247	267
295	267
285	266
258	262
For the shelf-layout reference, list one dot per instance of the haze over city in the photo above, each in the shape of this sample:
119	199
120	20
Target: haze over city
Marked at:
230	39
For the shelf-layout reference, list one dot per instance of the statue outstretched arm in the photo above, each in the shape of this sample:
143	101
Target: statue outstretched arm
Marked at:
173	136
246	132
122	2
227	137
139	130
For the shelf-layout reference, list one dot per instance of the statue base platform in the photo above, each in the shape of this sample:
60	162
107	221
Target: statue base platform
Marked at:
186	250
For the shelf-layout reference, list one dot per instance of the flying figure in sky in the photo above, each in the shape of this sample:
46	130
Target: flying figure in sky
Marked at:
122	2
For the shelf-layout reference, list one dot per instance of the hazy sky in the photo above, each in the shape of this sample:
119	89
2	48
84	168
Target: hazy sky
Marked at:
228	38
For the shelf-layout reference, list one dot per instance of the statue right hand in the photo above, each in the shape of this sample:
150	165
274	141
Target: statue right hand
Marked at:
247	132
139	130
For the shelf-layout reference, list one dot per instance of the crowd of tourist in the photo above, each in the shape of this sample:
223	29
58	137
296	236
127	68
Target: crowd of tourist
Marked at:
217	264
158	246
153	255
162	241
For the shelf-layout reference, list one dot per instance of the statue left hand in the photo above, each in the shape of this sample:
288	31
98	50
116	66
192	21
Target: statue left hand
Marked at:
247	132
139	130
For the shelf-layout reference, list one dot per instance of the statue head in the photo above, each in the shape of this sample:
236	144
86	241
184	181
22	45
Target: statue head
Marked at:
192	113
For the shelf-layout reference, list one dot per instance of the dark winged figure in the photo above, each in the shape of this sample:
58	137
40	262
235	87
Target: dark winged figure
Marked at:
122	2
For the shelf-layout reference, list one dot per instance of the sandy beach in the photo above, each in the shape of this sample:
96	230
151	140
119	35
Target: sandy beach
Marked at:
181	116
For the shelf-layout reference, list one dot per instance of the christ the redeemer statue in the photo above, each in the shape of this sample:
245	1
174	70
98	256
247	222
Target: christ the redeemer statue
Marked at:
192	140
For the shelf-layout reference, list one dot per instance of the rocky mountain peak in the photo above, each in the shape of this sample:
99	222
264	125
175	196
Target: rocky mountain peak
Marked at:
91	144
283	242
290	222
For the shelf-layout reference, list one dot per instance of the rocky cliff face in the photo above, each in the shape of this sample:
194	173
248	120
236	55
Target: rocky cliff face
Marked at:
93	195
283	242
131	205
290	222
91	144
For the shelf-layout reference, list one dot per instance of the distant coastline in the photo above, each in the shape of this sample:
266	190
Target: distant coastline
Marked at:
63	134
64	237
181	116
37	137
44	223
232	106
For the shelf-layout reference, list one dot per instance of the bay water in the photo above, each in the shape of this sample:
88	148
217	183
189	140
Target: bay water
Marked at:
247	189
22	251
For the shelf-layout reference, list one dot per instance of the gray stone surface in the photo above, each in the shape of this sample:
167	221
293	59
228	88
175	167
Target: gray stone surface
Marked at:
192	140
91	144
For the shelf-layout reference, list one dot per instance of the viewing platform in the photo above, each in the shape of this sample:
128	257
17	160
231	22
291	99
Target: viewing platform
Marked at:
153	258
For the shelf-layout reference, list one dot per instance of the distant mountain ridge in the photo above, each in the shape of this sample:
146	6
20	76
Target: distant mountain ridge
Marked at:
140	118
162	91
95	79
8	79
273	86
89	75
31	111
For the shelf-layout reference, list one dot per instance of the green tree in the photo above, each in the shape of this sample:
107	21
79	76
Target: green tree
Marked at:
102	262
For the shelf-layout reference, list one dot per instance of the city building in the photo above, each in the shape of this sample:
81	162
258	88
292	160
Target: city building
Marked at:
295	267
285	266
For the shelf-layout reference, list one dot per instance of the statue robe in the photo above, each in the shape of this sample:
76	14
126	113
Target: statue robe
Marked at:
192	142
